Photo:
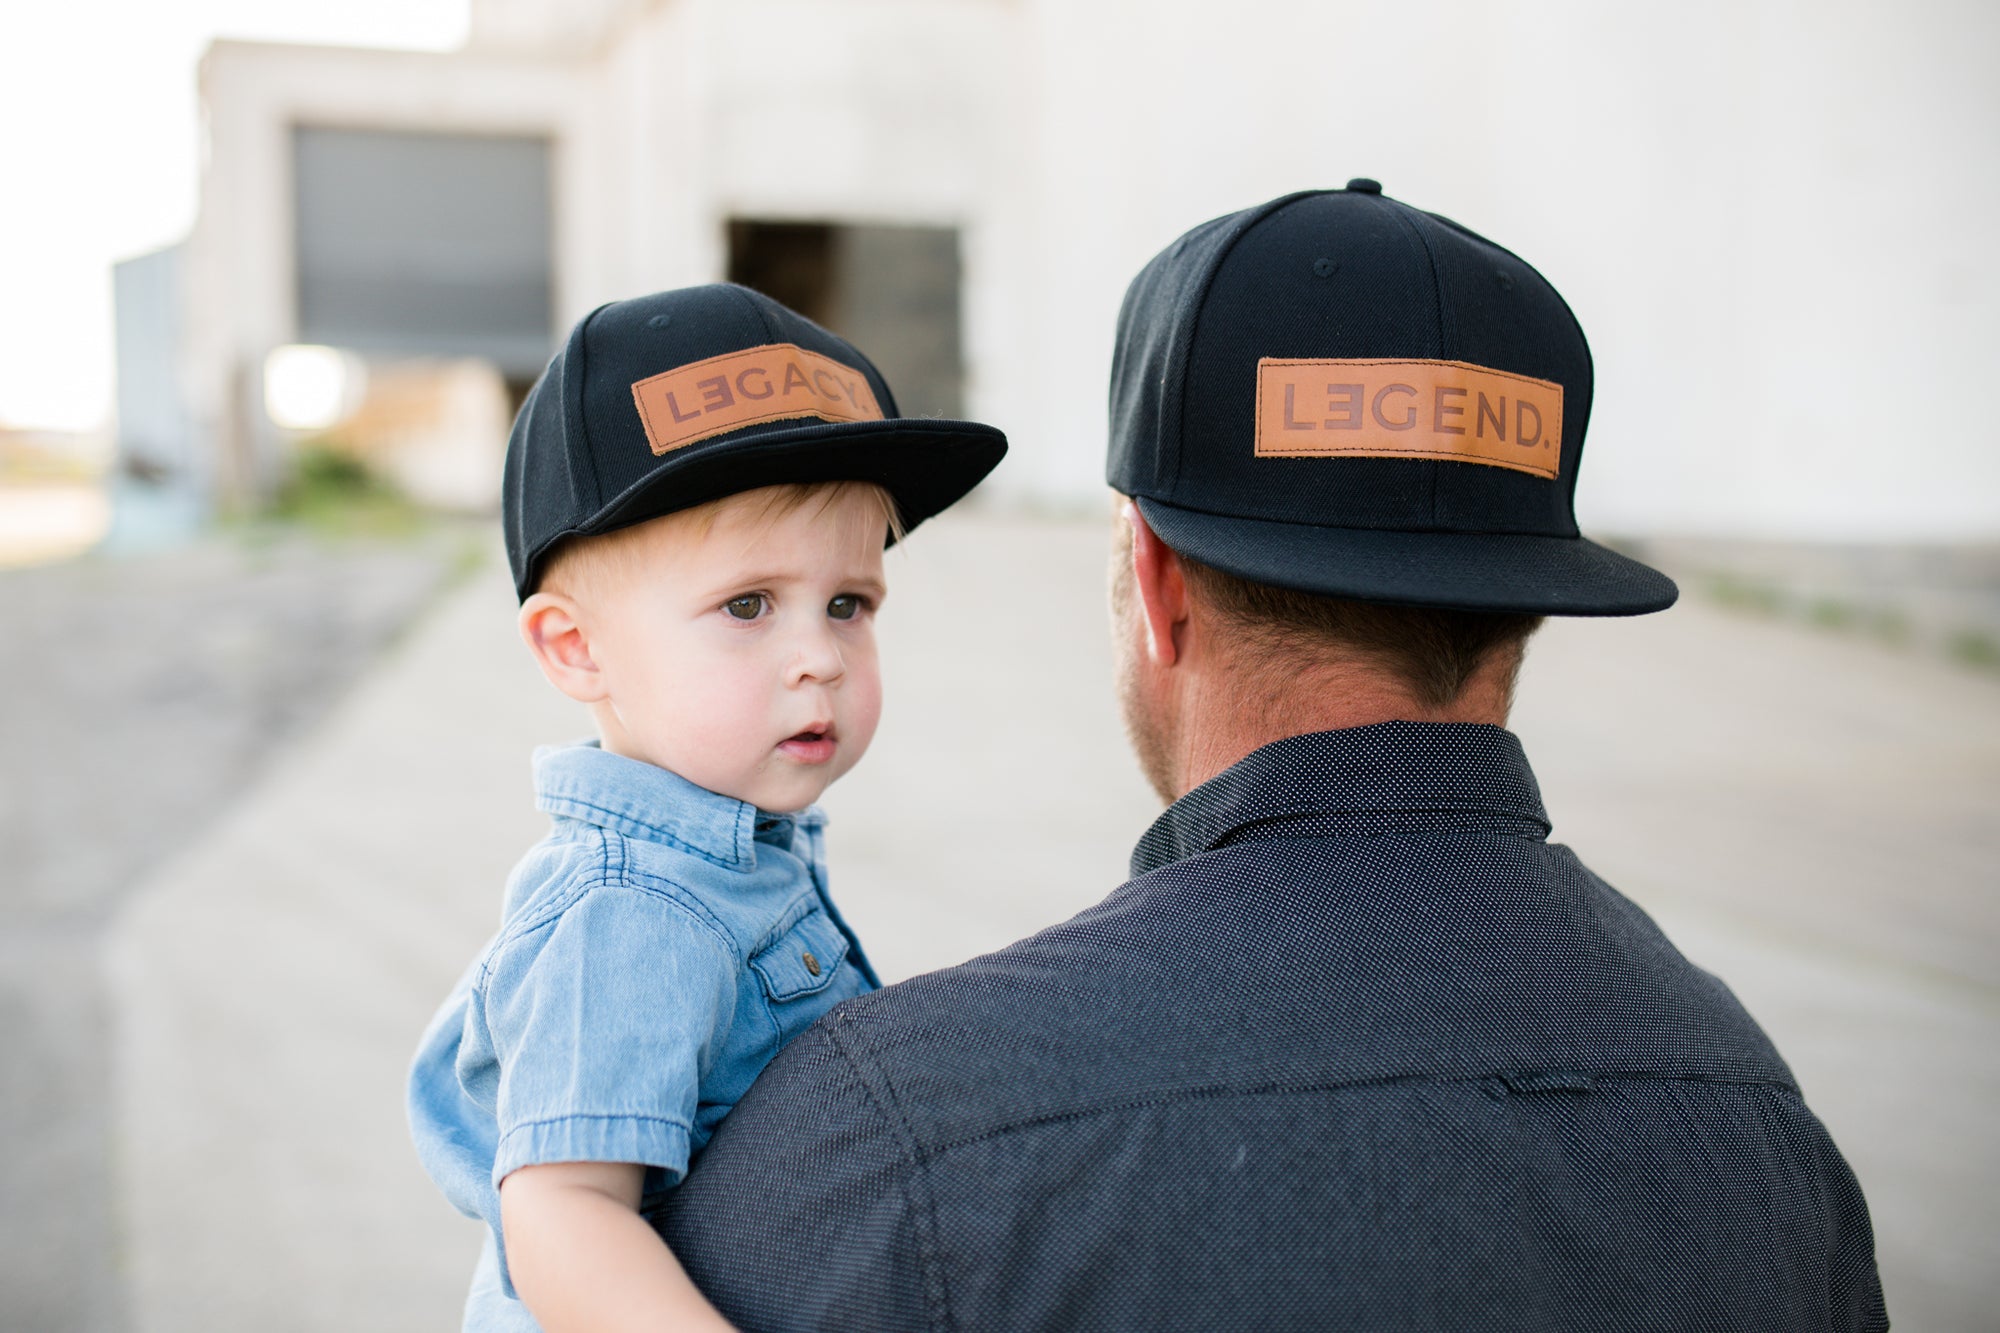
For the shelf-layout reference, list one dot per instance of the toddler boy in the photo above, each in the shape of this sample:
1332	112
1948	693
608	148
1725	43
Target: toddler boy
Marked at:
696	498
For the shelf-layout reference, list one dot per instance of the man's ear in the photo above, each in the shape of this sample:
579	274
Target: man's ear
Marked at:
552	628
1161	588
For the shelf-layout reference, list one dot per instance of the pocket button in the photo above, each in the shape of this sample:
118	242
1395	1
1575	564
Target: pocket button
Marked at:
812	963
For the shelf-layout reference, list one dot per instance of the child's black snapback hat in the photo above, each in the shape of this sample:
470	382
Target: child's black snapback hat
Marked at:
664	402
1338	393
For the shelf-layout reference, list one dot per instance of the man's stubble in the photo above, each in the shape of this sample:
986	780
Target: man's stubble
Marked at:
1146	727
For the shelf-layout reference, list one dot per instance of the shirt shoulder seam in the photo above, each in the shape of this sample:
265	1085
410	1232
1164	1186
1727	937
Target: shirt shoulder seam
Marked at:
576	882
611	870
681	896
845	1037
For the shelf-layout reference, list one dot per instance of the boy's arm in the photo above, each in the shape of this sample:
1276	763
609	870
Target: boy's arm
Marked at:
584	1261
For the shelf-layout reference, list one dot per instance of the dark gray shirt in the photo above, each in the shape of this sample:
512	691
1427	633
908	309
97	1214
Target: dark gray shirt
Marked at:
1356	1047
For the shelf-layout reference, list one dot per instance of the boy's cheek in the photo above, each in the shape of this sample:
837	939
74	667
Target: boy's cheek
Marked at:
865	714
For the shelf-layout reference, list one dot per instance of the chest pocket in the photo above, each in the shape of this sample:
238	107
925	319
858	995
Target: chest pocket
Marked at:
802	960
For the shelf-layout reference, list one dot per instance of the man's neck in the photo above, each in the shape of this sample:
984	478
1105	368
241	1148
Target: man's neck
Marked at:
1230	713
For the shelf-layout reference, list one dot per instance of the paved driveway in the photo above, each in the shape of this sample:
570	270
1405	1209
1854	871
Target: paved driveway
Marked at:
137	698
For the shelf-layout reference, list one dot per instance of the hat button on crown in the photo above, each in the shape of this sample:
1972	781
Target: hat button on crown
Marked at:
1362	185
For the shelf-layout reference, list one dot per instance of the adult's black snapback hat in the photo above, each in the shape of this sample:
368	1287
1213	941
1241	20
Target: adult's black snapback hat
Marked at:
664	402
1339	393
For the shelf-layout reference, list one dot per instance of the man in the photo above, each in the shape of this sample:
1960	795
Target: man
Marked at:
1355	1047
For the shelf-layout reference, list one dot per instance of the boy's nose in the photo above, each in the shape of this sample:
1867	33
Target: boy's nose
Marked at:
816	657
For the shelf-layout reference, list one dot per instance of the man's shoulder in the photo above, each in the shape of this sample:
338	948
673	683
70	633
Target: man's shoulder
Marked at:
1260	1033
1279	966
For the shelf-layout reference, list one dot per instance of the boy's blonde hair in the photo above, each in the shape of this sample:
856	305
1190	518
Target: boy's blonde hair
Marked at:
578	562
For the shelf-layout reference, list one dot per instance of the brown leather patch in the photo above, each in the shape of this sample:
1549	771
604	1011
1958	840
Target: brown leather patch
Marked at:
768	383
1408	409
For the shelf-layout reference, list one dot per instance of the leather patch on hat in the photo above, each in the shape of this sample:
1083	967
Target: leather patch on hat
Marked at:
769	383
1408	409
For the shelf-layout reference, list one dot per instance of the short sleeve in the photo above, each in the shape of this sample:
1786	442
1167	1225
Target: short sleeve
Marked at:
804	1211
602	1021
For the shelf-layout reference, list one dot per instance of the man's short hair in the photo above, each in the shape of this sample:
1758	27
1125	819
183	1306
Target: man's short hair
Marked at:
1432	651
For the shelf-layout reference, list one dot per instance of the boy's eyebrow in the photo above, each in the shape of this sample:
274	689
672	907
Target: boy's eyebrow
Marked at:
874	586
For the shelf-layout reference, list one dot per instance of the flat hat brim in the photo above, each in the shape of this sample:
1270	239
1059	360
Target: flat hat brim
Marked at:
926	464
1465	571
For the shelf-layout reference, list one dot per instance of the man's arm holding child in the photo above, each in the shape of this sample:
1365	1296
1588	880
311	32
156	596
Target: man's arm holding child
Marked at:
585	1261
809	1210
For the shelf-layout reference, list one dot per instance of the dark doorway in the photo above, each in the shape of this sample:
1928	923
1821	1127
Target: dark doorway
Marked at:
892	291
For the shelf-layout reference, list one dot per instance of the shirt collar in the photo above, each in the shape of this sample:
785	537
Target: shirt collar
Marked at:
1413	776
642	800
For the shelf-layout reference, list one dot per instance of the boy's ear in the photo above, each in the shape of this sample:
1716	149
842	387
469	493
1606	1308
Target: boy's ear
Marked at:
552	629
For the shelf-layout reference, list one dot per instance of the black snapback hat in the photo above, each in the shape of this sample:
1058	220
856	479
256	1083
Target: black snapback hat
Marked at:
664	402
1341	394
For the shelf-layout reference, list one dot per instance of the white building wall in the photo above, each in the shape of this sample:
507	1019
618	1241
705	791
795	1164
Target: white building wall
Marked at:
549	27
1772	218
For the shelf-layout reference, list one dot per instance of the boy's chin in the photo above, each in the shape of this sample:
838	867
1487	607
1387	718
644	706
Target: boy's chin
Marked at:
780	786
781	805
783	794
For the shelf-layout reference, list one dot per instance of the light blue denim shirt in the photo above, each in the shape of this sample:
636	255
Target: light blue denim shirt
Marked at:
655	951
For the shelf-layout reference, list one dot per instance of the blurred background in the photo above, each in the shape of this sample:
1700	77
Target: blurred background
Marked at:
274	276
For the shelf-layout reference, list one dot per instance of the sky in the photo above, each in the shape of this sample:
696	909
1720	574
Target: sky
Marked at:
100	160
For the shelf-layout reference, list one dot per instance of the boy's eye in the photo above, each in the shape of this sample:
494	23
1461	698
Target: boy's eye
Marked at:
844	607
747	607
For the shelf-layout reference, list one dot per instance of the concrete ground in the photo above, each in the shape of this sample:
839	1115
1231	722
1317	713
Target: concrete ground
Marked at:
1814	818
137	698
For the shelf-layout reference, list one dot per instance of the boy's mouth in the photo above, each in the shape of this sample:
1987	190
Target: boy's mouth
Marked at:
814	745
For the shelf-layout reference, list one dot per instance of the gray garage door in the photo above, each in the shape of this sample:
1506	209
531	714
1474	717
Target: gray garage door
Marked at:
425	244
